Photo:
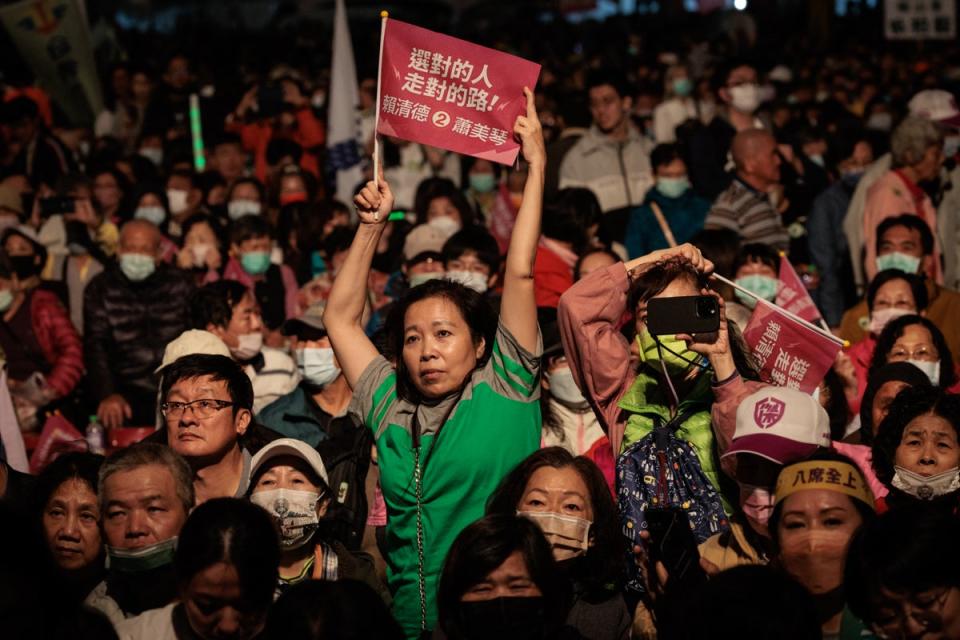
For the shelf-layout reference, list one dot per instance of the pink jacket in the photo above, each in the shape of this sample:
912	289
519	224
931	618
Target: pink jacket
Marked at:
889	197
732	392
291	304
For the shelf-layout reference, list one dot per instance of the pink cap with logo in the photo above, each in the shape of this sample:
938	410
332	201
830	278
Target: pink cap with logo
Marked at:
779	424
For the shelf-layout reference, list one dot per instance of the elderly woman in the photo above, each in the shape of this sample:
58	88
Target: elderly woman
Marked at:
915	451
916	148
456	405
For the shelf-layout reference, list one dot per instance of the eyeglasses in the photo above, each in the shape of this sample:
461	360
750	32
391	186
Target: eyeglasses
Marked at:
925	610
202	409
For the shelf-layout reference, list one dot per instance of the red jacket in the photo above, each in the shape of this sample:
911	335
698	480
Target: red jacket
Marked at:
551	277
58	340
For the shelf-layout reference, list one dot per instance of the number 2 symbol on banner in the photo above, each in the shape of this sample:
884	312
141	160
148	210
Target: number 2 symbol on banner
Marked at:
440	119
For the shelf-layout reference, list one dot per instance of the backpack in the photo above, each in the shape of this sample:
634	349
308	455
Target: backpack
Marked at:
346	456
662	471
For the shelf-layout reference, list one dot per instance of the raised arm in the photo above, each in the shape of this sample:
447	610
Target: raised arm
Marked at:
518	310
343	316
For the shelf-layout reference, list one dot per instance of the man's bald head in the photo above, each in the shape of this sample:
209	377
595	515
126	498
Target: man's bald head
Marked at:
755	154
140	236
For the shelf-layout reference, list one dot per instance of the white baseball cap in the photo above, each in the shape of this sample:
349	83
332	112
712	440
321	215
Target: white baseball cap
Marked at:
193	342
937	105
289	447
779	424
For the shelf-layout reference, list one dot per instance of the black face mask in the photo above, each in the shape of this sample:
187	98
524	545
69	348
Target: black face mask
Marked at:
24	266
503	619
143	590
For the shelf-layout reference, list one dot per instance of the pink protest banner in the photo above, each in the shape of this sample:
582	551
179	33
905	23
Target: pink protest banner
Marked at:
448	93
58	436
793	295
788	353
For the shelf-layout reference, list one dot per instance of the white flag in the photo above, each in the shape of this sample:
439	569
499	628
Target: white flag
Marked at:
13	447
343	116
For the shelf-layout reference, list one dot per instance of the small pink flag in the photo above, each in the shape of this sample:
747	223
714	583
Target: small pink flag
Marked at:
788	353
58	436
793	295
449	93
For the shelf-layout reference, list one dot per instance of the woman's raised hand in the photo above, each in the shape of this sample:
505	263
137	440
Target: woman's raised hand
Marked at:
527	128
374	202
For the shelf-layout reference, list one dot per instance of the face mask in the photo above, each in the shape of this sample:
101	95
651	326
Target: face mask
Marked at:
482	182
469	279
24	266
143	558
815	558
764	286
565	391
445	225
6	299
294	512
757	504
880	122
951	145
682	87
745	98
316	366
255	263
240	208
897	260
502	618
881	317
672	352
155	215
568	535
930	369
292	197
136	266
153	154
673	187
200	251
178	200
419	278
926	487
248	346
817	159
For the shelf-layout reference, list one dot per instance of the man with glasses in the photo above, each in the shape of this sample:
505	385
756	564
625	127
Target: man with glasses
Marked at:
206	404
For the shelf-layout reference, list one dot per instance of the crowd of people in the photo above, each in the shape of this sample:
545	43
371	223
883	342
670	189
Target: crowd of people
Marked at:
455	422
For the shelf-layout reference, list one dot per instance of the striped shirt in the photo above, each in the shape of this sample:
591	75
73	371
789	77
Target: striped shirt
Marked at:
750	213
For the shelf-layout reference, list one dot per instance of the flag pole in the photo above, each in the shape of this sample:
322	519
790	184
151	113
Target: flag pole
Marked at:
789	314
376	122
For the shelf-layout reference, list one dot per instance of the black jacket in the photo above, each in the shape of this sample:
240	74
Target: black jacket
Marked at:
127	326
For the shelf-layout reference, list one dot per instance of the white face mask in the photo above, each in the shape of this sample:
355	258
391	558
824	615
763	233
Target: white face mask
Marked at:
568	535
419	278
248	346
745	98
200	251
469	279
757	503
295	513
930	369
881	317
445	225
565	391
926	487
153	154
240	208
178	200
317	366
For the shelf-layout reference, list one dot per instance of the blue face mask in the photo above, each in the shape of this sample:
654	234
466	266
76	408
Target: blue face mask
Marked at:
155	215
673	187
682	87
136	266
317	366
255	263
897	260
764	286
482	182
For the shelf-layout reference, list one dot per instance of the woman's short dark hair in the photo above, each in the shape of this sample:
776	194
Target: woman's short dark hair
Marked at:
866	513
603	562
233	531
909	404
256	184
755	252
664	154
321	609
213	303
837	408
590	252
477	239
568	216
485	545
890	372
433	188
474	308
248	228
219	369
659	276
204	218
906	551
915	282
894	331
76	465
911	223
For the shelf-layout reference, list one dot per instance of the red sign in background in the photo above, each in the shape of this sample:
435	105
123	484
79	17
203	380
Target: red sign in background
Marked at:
453	94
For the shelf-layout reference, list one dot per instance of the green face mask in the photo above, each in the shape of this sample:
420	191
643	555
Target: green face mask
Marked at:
673	352
142	559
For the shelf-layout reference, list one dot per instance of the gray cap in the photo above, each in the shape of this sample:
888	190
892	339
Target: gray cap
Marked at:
312	318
